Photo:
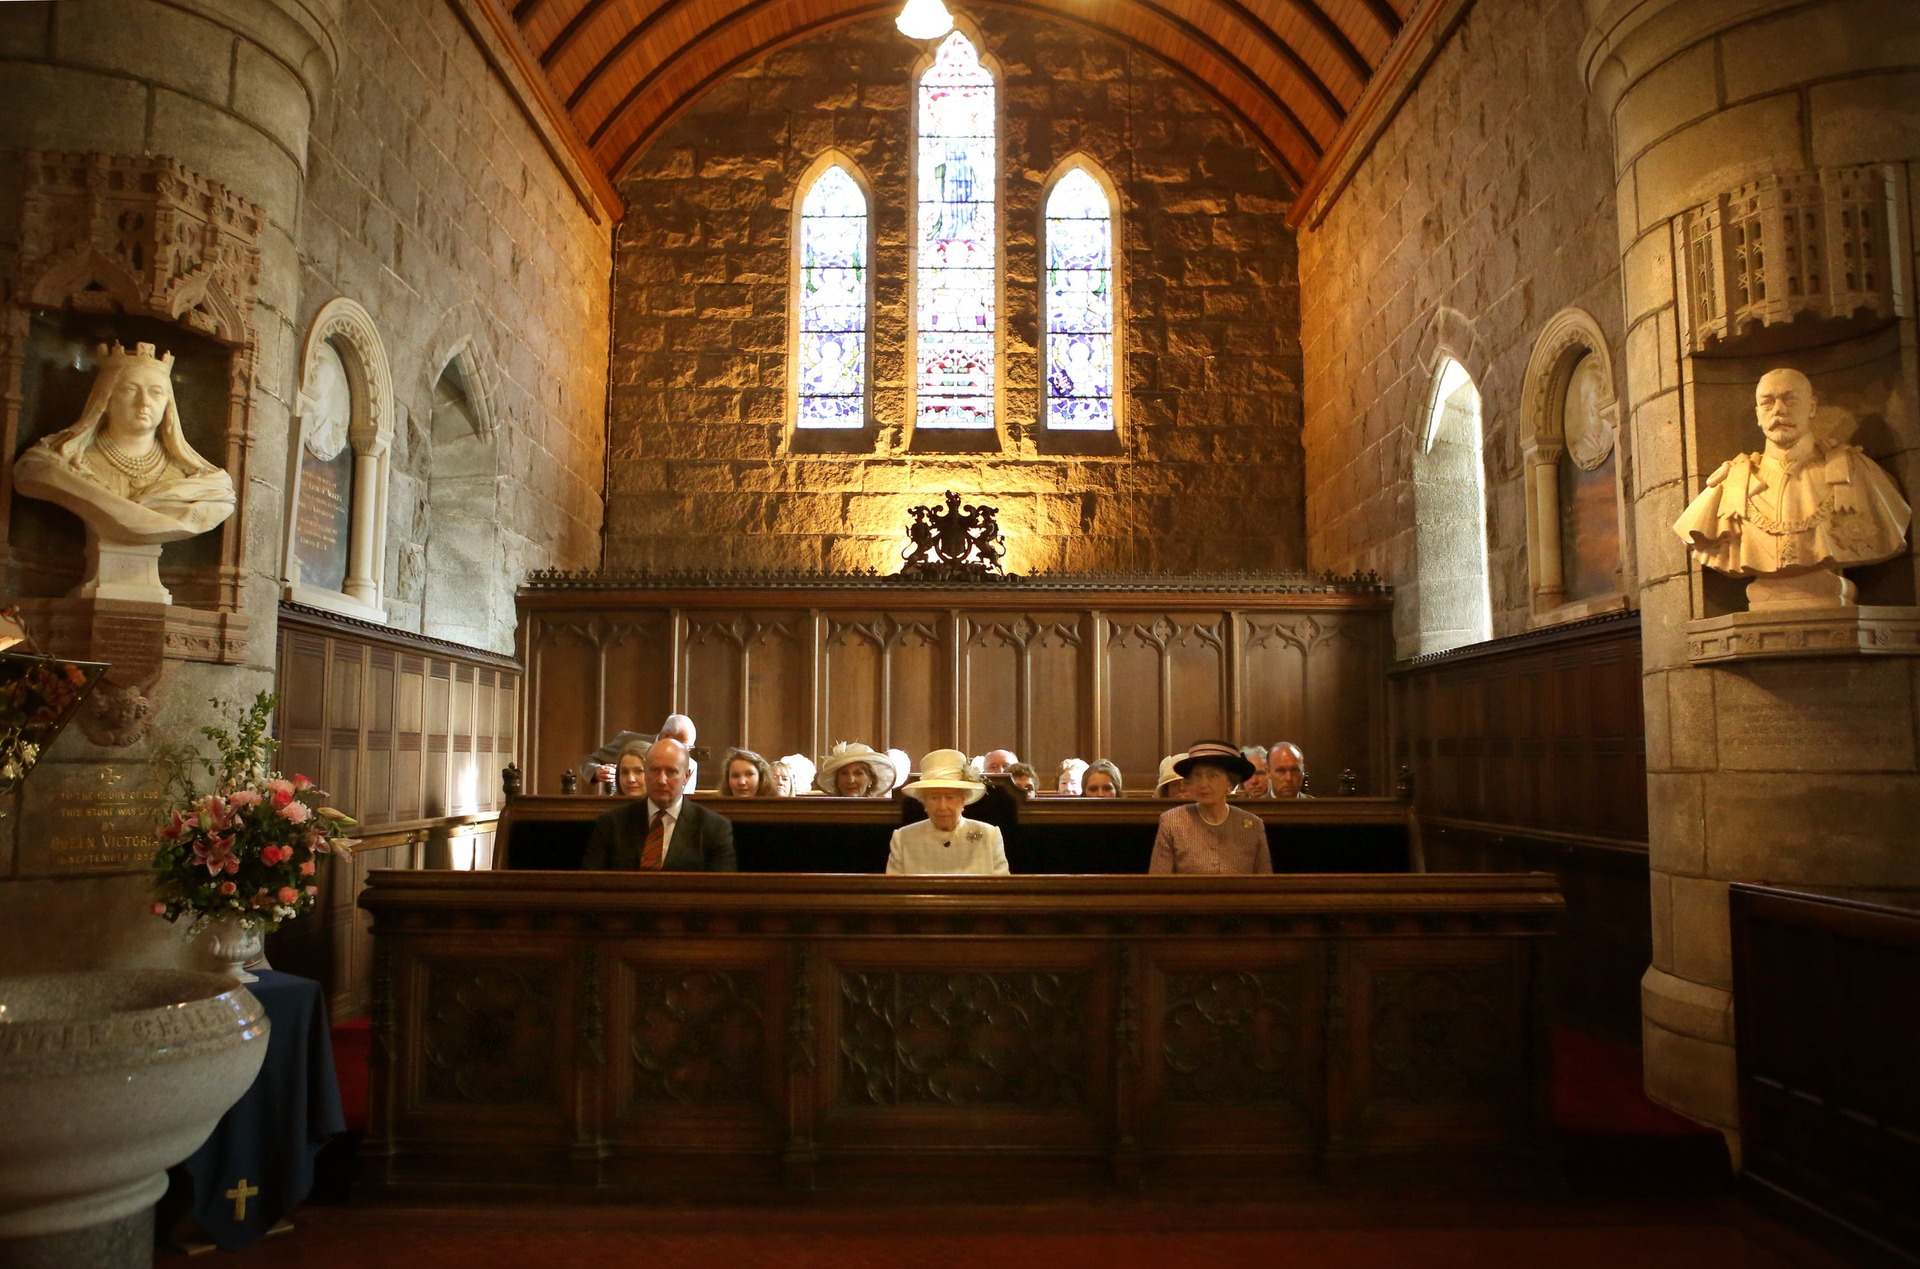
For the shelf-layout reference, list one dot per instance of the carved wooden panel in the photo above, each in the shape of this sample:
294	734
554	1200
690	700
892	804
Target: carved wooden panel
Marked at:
1051	672
489	1032
959	1039
698	1037
1232	1037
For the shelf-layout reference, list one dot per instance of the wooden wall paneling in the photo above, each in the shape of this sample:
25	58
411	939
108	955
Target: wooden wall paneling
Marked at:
486	770
564	670
854	671
463	785
437	788
715	680
1057	708
1273	680
997	672
1137	689
376	785
919	684
410	739
345	741
1196	655
506	728
1341	695
302	712
636	693
778	703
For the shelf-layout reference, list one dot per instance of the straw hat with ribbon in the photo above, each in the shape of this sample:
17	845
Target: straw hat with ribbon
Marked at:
847	754
946	769
1217	753
1168	774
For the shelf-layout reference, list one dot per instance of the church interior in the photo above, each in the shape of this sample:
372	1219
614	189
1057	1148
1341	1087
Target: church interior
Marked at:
475	468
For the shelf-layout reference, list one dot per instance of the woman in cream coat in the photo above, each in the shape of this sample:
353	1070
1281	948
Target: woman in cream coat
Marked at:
946	841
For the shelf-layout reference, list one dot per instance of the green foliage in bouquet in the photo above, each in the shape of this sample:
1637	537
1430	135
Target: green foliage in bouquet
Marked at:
251	845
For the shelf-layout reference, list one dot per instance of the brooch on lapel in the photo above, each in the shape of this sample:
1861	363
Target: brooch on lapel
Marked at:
974	835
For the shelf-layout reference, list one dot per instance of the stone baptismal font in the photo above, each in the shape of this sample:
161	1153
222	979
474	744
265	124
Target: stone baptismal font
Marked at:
126	470
1791	517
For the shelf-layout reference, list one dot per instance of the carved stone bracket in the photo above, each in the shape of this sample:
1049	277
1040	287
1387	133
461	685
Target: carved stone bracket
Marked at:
1792	245
1765	636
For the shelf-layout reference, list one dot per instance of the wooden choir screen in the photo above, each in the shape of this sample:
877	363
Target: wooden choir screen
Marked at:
1530	753
1051	669
408	735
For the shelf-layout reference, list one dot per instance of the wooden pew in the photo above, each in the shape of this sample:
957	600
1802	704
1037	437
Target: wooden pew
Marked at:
1043	835
557	1032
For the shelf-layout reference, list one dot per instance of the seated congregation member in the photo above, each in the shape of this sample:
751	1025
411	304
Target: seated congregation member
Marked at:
630	770
793	776
998	762
854	770
1171	784
1024	777
597	767
665	831
1208	835
1287	771
745	774
1072	771
902	766
946	841
1102	780
1255	785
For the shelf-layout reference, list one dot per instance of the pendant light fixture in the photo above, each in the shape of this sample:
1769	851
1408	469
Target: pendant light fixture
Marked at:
924	20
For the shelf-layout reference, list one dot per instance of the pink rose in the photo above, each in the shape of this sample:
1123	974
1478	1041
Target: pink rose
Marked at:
244	797
227	887
306	869
157	908
300	783
231	865
289	895
313	890
281	791
295	813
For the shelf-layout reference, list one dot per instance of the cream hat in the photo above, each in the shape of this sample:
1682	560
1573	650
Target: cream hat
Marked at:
1167	774
846	754
946	769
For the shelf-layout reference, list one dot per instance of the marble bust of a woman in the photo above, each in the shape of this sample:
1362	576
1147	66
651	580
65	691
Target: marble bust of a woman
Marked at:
126	470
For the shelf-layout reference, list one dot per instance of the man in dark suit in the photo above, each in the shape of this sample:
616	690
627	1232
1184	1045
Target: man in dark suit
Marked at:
665	831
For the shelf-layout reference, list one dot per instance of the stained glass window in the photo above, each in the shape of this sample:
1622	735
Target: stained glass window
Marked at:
1079	303
833	303
954	312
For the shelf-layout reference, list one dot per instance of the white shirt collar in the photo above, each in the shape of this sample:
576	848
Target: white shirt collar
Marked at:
673	811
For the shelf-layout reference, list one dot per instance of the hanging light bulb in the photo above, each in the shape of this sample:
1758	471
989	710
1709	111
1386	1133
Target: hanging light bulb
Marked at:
924	20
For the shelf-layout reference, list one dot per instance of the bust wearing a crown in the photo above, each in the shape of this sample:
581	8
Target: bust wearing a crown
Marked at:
126	470
1792	516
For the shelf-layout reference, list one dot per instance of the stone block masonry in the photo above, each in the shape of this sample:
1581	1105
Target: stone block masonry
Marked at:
1209	471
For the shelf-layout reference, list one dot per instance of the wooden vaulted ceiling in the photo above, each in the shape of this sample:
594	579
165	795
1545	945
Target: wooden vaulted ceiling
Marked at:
1291	70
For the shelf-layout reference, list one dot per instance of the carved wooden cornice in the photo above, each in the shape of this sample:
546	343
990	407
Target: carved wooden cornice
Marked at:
1613	623
552	580
319	619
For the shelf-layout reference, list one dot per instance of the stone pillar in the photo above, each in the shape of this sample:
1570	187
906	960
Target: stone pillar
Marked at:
1798	771
228	89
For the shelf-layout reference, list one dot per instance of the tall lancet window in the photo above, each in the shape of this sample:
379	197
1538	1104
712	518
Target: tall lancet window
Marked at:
954	307
1079	304
833	303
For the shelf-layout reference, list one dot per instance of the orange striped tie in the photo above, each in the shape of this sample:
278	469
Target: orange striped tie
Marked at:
654	856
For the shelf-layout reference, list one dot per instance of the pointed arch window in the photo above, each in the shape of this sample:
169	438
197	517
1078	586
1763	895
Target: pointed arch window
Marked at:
955	310
833	303
1079	302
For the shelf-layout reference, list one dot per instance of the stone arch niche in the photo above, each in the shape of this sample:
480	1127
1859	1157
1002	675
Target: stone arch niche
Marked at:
1450	516
337	466
463	548
1576	561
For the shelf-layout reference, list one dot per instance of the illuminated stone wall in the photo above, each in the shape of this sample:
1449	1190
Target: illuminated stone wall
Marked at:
1209	470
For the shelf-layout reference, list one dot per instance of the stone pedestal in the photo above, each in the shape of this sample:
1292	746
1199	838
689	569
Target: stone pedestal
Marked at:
122	571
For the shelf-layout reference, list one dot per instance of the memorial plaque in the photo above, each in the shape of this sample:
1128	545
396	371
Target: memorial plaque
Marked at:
88	819
325	519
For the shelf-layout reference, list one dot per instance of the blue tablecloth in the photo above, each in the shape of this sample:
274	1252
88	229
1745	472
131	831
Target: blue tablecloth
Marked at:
258	1164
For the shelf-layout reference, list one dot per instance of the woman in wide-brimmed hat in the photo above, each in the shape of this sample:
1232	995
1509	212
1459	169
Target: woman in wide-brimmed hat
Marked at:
854	770
1209	835
1169	783
946	841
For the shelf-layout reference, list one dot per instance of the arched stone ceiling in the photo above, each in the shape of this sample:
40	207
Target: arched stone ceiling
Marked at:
1291	70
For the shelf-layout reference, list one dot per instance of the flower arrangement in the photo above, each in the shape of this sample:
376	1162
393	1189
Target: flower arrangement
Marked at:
38	697
249	849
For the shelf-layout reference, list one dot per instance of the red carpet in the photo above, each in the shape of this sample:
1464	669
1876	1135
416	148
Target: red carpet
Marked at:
1597	1090
351	1044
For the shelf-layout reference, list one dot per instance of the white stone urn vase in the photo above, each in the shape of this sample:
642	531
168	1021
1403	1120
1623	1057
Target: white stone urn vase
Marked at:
107	1080
238	943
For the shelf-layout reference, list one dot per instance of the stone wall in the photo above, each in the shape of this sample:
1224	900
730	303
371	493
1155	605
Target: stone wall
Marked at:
1209	471
1485	207
431	201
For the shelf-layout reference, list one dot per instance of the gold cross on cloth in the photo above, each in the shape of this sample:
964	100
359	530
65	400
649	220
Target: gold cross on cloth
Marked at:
240	1194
